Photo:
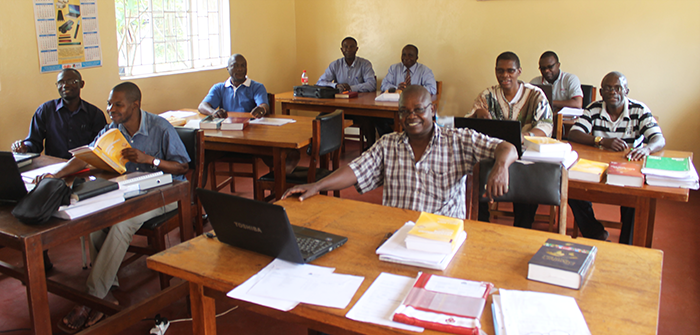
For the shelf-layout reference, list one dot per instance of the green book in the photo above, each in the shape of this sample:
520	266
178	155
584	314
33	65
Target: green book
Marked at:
667	163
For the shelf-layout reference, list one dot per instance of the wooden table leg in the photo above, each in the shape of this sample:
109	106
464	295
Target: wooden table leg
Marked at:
37	296
279	158
641	221
285	108
652	220
203	311
185	210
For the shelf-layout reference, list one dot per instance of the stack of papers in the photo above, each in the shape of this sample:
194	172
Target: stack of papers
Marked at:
91	205
282	285
526	312
565	158
391	97
272	121
571	112
394	250
670	172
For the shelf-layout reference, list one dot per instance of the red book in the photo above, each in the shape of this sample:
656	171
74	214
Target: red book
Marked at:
625	174
234	123
445	304
347	95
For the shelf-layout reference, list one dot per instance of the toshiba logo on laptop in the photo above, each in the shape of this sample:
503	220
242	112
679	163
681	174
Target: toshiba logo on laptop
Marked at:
247	227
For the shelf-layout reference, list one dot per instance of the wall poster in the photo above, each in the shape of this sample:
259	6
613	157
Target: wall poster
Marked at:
67	34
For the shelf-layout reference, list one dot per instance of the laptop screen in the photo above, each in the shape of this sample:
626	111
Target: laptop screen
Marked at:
12	187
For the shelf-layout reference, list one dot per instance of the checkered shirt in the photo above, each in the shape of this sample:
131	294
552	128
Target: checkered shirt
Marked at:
436	183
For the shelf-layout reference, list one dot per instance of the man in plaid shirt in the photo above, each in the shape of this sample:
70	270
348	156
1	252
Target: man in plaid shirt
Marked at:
424	167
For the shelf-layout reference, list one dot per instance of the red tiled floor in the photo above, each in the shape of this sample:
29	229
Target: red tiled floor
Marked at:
676	233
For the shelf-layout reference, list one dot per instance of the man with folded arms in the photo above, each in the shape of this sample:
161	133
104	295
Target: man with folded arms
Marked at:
423	168
566	88
614	124
155	146
352	73
62	124
513	99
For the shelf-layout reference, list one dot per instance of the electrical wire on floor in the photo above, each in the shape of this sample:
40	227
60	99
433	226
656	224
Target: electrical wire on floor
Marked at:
217	315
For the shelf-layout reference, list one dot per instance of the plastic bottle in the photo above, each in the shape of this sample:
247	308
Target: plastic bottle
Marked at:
304	78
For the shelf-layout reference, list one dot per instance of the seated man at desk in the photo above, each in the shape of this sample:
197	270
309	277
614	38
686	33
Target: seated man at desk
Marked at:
62	124
237	94
352	73
513	99
155	146
566	88
614	124
423	168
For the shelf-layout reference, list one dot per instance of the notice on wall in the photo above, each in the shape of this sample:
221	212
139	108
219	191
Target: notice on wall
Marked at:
67	34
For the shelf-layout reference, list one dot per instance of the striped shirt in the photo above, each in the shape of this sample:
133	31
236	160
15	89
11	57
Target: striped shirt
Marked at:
635	120
530	107
436	183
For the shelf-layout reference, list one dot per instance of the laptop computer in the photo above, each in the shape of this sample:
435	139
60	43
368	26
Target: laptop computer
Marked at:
12	187
264	228
507	130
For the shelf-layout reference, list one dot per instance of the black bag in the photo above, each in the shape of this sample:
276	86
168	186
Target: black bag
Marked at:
310	91
38	205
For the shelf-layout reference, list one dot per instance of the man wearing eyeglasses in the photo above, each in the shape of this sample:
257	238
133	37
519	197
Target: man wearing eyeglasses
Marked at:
513	99
423	168
63	124
615	123
566	87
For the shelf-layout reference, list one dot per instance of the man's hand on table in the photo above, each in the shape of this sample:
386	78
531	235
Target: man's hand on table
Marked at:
306	191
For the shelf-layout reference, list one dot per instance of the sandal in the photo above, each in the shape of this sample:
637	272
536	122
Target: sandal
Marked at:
78	315
94	317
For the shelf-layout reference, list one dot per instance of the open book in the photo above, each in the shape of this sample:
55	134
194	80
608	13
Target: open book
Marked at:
107	153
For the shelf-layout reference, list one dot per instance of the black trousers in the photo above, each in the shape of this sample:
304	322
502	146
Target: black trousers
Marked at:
524	214
590	227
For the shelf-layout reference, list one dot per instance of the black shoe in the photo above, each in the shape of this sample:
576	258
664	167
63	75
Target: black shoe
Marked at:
47	262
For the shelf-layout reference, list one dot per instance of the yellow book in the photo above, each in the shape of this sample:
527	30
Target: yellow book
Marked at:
434	233
107	153
588	170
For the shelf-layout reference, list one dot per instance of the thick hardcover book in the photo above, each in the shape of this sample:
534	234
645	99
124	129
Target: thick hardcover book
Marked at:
107	153
234	123
546	144
347	95
588	170
93	188
434	233
445	304
210	122
625	174
562	263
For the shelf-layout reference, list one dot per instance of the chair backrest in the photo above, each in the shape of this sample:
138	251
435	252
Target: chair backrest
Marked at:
438	96
193	139
271	103
528	182
589	94
327	139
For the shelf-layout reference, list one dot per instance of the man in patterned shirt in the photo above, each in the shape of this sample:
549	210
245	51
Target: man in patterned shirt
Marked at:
513	99
424	167
614	124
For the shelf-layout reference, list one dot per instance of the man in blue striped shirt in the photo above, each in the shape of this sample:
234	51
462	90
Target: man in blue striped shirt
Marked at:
614	124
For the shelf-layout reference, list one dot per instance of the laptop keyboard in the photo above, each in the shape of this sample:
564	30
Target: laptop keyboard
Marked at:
311	245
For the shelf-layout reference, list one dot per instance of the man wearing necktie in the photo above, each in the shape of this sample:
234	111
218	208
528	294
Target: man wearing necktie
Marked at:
409	72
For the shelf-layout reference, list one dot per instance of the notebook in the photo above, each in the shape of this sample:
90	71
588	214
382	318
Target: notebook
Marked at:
12	187
264	228
507	130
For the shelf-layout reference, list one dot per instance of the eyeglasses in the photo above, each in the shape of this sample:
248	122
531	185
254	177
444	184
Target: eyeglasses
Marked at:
70	82
502	71
403	112
608	89
549	67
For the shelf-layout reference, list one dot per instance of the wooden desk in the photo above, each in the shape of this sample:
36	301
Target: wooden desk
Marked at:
643	199
363	105
33	240
621	296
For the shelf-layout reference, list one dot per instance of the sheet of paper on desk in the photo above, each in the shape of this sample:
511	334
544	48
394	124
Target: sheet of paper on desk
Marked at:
527	312
31	174
194	124
568	111
180	114
241	292
381	299
388	97
272	121
322	289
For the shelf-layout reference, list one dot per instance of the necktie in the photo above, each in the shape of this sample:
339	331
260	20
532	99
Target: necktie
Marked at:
408	77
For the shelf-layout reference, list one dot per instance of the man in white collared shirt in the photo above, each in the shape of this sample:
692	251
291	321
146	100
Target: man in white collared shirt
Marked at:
237	94
566	87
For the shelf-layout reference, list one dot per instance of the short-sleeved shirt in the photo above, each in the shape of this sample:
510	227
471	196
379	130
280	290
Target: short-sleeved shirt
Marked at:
243	98
156	137
635	120
436	183
565	87
359	75
529	106
420	75
58	130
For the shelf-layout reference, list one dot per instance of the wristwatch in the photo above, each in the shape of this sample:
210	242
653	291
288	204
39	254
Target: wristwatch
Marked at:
598	140
156	162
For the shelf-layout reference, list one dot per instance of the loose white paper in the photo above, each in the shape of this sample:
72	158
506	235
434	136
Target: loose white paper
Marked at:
322	289
241	292
381	299
527	312
31	174
272	121
194	124
180	114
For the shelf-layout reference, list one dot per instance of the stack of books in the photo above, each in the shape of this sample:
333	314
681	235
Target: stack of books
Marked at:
670	172
588	170
434	233
435	254
545	149
229	123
